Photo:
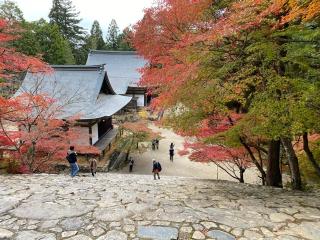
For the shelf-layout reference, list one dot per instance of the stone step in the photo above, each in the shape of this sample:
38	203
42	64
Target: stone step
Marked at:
123	206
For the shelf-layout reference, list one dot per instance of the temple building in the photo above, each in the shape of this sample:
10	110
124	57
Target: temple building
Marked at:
85	92
122	68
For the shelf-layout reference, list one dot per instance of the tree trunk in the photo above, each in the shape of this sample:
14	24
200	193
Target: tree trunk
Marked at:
310	154
241	179
274	177
254	160
261	164
293	164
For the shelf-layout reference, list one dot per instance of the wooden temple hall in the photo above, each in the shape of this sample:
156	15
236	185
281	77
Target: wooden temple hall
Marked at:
93	92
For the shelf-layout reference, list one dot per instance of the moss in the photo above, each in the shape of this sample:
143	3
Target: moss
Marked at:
308	173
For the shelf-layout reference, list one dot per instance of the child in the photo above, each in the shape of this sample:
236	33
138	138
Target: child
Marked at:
93	166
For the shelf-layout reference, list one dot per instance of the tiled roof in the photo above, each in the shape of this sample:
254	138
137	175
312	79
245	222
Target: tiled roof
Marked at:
79	89
121	66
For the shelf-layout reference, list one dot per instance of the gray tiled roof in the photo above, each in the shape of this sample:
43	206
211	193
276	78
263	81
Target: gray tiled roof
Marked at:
78	90
121	66
106	105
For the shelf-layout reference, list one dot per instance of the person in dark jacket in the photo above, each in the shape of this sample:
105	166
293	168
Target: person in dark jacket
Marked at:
72	159
171	154
153	142
131	164
156	169
171	145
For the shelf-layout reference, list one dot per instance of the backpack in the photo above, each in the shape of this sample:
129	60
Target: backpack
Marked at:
159	167
68	158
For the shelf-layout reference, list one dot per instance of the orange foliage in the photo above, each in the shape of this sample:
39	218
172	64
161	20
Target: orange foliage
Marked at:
175	30
140	127
163	28
306	11
28	126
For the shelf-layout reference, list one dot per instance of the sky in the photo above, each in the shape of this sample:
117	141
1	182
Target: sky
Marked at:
125	12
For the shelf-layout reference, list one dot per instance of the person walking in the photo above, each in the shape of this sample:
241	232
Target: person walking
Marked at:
72	159
172	146
156	169
157	143
171	151
153	144
171	154
131	164
93	166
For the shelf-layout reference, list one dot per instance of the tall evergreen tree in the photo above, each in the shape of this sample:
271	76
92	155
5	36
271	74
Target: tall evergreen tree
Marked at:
113	36
81	53
55	49
65	16
43	38
96	41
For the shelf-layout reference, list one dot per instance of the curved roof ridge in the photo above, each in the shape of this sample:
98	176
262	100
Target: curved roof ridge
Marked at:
122	67
79	67
113	52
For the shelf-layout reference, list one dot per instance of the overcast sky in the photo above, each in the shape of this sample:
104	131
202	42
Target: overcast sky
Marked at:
125	12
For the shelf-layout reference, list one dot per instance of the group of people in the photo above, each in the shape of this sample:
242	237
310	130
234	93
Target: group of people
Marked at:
156	166
73	161
155	144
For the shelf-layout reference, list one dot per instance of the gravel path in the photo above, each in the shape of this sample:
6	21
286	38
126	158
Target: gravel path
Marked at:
181	166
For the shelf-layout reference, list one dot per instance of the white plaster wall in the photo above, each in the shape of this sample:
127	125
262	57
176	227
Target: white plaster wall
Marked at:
140	101
95	136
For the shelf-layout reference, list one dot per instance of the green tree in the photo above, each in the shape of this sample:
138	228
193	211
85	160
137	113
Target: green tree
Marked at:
113	36
28	43
81	53
54	47
10	11
45	39
124	40
96	41
64	15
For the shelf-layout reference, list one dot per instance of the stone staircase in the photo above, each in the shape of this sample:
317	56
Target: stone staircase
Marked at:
121	206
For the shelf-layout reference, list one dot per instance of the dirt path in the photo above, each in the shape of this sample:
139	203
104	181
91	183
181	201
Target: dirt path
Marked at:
181	165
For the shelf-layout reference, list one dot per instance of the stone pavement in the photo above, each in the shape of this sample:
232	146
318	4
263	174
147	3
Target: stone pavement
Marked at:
119	207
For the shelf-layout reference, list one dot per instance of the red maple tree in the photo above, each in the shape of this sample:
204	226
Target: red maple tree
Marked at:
234	161
30	129
163	28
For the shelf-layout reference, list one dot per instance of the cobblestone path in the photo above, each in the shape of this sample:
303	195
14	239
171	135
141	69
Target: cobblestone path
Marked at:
119	207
